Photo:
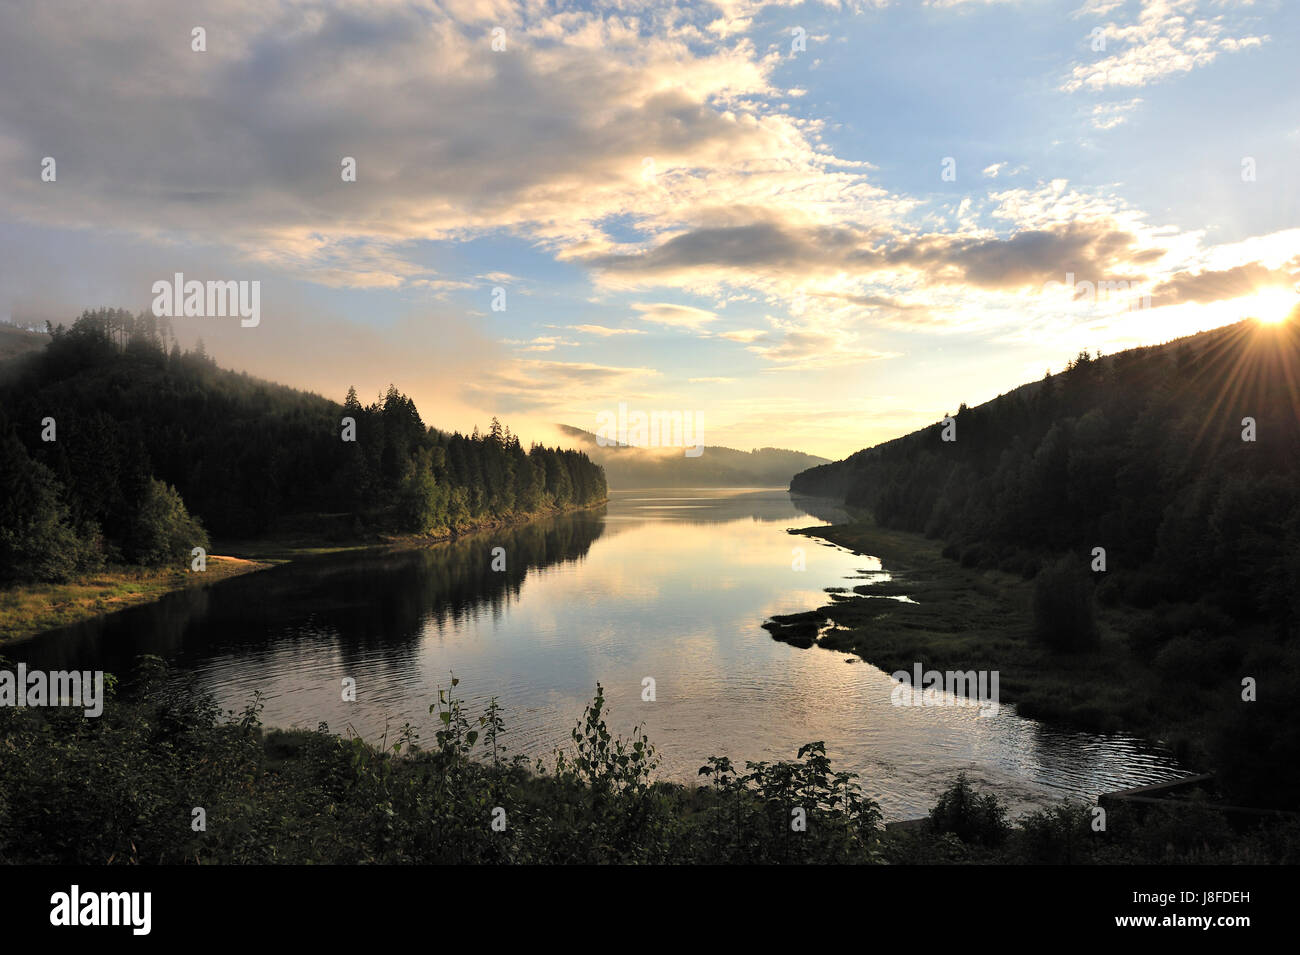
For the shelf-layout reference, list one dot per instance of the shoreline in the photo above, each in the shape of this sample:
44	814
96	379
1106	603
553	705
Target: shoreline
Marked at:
969	619
115	587
28	610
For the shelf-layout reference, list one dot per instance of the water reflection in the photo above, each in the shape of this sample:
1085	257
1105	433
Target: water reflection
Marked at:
669	584
374	600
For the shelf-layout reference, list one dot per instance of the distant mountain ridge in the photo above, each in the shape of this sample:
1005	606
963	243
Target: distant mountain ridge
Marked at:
632	467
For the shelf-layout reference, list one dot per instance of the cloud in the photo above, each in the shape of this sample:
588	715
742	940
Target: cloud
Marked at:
769	245
1098	8
1166	39
1219	285
745	335
899	314
605	332
805	350
1110	115
1028	257
674	316
530	385
540	343
1022	258
241	146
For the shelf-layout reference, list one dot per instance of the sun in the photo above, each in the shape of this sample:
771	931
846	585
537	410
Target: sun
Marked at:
1272	306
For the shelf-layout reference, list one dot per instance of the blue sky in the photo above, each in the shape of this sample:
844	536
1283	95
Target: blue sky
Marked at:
685	208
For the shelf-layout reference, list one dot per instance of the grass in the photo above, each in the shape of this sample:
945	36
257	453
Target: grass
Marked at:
971	619
29	609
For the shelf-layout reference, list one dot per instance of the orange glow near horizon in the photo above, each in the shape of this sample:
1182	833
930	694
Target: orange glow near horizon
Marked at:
1274	306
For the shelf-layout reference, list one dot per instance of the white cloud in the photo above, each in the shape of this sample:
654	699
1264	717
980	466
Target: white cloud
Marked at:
1167	38
606	332
674	316
1110	115
744	335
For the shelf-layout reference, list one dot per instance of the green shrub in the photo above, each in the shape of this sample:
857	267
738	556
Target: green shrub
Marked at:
163	531
37	539
1167	621
1197	659
1058	835
1064	616
974	818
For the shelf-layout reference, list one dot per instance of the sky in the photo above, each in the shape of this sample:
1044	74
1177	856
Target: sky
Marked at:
813	225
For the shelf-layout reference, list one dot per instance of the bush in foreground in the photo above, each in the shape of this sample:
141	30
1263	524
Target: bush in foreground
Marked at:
124	788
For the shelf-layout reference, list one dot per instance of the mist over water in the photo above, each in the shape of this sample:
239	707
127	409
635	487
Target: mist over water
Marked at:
670	584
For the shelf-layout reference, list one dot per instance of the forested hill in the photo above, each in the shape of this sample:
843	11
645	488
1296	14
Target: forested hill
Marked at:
635	467
1144	453
15	341
151	447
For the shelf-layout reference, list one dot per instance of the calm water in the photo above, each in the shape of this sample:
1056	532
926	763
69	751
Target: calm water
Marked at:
671	585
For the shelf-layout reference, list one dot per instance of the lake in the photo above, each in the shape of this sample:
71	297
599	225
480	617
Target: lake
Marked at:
670	585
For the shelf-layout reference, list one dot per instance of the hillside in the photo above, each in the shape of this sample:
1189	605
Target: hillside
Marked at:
1135	483
117	447
15	341
1140	452
632	467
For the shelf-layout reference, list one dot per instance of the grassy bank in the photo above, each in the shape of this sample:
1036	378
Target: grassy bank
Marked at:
965	618
29	609
163	777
